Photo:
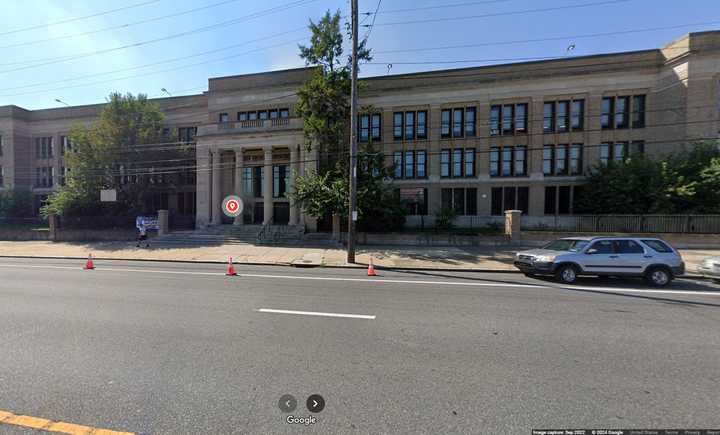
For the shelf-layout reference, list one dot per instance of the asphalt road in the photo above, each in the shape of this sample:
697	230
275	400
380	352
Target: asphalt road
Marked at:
162	348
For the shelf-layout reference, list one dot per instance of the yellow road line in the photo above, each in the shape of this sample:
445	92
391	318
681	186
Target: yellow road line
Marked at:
54	426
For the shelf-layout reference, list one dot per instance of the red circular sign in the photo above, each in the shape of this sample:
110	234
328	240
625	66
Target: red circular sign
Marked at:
232	206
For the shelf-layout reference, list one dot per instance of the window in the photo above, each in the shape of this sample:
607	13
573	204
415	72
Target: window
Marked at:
628	247
262	114
508	113
274	114
280	180
576	162
247	180
364	128
637	148
620	152
470	162
564	200
561	155
606	116
507	153
658	246
65	145
258	181
421	157
445	123
398	164
422	124
457	161
621	112
252	116
43	147
549	117
284	113
376	127
605	149
638	111
409	164
520	161
602	247
445	163
521	114
409	125
462	200
187	134
44	176
548	160
398	125
63	174
494	161
563	116
223	117
577	119
415	200
458	116
470	121
2	174
495	120
509	198
550	200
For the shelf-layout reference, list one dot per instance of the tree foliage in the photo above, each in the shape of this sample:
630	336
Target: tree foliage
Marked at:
15	203
685	182
111	147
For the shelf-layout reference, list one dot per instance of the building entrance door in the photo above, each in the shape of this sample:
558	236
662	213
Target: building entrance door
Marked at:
281	213
258	213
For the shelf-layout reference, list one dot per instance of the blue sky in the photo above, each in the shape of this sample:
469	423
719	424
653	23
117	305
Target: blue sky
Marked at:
80	62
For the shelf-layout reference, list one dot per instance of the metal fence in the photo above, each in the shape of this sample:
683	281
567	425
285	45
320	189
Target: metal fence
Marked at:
694	224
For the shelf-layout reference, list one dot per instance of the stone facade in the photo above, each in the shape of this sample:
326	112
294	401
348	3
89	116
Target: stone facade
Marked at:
250	143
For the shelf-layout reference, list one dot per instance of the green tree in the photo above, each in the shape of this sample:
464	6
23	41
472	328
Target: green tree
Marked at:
114	154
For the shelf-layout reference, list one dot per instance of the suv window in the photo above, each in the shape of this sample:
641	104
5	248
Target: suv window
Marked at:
603	247
628	247
566	245
658	246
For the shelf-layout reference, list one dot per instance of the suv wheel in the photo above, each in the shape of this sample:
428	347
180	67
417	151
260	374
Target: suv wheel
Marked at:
658	277
567	274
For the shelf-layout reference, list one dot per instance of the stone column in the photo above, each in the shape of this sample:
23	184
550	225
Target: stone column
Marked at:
163	222
216	188
512	225
294	170
238	181
203	183
268	187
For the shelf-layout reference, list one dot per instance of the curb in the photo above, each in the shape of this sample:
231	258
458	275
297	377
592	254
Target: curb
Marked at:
326	266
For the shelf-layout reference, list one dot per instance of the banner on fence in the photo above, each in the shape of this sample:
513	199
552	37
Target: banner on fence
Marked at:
147	222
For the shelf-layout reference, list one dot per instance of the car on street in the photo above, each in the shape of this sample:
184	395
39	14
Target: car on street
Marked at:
710	268
567	258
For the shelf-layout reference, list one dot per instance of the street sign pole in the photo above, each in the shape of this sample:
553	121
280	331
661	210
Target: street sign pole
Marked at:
352	216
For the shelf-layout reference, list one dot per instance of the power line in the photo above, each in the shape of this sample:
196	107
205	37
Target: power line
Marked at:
121	26
555	38
498	14
70	20
369	30
258	14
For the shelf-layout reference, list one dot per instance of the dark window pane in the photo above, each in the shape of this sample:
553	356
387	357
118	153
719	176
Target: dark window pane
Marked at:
471	201
398	164
457	162
561	160
421	164
605	153
508	113
603	247
548	159
620	152
458	116
576	163
376	126
262	114
550	200
621	112
409	125
509	198
523	196
578	114
446	198
494	162
507	159
242	116
520	161
564	200
658	246
637	148
364	128
638	117
274	114
496	208
470	162
563	116
628	247
409	164
284	113
459	201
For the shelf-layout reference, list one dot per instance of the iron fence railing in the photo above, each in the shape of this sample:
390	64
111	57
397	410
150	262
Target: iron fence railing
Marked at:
694	224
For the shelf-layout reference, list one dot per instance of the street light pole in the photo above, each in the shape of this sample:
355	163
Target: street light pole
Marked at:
353	215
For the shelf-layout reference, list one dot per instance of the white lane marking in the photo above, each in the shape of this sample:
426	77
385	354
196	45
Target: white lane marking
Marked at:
315	313
387	281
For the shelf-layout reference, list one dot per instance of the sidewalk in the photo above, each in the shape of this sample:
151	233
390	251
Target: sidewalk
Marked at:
401	257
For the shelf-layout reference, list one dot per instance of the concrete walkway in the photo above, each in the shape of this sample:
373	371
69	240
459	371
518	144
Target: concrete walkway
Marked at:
467	258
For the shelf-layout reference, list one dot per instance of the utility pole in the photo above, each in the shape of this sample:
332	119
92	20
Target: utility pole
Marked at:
353	215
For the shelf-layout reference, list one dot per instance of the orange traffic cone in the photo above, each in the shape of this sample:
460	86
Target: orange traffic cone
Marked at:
371	268
89	264
231	268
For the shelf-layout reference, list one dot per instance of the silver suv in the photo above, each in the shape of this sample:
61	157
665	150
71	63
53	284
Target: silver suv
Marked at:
647	257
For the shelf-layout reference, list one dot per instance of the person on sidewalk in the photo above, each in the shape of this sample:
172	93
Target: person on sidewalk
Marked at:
142	237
